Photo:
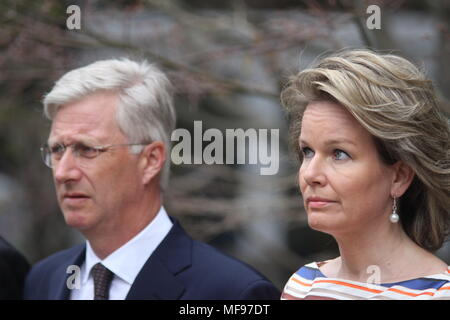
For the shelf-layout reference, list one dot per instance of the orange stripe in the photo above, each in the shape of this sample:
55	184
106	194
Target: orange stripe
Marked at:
411	294
348	285
302	283
444	288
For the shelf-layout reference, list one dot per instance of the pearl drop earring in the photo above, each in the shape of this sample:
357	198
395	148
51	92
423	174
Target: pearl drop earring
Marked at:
394	217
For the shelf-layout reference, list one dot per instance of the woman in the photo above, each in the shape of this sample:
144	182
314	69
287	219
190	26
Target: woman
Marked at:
375	174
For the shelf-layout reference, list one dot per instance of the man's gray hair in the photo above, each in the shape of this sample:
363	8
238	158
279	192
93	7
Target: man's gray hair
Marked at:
145	112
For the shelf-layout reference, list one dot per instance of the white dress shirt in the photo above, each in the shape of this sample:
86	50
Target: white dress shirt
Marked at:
125	262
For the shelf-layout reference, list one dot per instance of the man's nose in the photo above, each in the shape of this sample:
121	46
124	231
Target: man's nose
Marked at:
313	171
67	168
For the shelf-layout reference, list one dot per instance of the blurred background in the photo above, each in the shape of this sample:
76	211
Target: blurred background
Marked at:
228	61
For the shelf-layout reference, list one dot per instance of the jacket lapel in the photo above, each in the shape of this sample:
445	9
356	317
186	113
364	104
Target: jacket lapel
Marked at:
158	277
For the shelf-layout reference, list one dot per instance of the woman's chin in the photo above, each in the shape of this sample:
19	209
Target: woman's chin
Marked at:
321	223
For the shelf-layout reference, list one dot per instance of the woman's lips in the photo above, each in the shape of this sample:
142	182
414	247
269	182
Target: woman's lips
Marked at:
319	204
316	202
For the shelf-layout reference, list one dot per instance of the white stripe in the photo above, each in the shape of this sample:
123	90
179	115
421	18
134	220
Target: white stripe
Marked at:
300	278
329	294
312	265
344	289
442	276
295	293
341	295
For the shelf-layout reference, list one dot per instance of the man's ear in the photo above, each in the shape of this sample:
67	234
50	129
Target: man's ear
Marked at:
151	160
403	176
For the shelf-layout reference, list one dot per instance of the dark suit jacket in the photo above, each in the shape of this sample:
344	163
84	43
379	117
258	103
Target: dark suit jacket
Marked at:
179	268
13	269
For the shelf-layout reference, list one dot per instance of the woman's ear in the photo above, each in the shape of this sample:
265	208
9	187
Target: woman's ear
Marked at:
403	176
152	160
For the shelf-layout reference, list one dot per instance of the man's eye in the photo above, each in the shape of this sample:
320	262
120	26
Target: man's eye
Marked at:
341	155
57	149
85	151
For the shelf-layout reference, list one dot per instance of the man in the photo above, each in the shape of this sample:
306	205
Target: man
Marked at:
108	147
13	269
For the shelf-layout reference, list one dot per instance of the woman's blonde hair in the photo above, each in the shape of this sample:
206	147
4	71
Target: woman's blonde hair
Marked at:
396	103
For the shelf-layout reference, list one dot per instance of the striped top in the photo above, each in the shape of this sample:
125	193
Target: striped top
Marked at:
309	283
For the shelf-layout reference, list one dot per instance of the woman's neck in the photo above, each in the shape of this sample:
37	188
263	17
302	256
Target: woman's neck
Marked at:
382	254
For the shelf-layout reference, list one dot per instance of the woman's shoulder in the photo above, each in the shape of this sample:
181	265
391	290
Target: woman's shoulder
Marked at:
301	282
313	270
436	281
436	286
309	271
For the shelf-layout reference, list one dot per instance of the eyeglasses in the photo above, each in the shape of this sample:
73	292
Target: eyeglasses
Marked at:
52	154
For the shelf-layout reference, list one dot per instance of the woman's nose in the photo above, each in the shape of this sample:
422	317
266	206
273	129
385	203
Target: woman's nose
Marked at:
312	171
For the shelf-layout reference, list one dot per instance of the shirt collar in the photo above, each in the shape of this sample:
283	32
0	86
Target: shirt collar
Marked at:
128	260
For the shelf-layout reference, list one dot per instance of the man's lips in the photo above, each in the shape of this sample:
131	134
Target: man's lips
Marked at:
74	197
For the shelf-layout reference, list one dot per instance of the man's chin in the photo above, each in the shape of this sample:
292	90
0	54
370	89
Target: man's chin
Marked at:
77	219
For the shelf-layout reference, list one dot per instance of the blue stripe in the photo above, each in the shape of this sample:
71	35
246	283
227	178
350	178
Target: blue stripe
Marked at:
309	273
418	284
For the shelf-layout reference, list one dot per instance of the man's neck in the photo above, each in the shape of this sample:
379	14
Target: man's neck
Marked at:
124	228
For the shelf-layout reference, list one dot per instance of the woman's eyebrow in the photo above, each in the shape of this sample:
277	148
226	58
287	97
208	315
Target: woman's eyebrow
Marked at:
302	142
339	141
331	141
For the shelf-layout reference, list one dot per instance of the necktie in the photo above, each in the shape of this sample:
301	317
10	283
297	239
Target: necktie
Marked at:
102	281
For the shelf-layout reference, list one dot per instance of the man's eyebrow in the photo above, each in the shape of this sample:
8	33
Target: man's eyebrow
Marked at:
52	141
83	140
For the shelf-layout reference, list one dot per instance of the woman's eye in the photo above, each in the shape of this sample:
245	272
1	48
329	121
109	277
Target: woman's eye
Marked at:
340	155
307	152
